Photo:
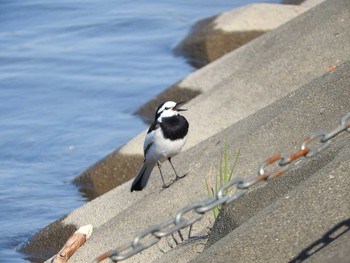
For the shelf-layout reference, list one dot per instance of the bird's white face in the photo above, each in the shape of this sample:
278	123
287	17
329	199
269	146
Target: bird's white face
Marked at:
167	110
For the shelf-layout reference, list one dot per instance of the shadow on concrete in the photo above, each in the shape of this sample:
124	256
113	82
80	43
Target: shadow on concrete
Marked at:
334	233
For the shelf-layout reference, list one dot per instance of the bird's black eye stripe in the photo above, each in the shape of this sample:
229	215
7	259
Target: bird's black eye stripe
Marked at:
167	108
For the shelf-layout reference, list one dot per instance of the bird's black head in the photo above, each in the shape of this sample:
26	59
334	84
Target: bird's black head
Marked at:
168	109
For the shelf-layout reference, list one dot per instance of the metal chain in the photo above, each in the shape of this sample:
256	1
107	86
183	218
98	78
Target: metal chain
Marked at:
152	235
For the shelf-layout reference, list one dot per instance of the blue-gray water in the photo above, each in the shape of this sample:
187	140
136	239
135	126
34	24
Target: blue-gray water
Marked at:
72	72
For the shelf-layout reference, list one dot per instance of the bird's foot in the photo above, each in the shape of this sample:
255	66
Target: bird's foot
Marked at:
165	186
173	181
179	177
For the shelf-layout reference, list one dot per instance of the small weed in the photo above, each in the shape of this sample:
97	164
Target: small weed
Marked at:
224	176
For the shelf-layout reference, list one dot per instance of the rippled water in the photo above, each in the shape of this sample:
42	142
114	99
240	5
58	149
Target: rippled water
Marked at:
71	75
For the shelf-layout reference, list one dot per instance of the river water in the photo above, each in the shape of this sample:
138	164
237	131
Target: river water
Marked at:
71	75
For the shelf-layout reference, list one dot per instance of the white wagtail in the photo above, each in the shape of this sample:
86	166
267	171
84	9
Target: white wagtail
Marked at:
165	139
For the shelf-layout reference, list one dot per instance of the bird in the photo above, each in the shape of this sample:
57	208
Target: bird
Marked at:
165	138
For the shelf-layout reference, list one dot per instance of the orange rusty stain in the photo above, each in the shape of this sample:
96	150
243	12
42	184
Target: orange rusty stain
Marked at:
279	172
273	158
299	153
103	256
331	68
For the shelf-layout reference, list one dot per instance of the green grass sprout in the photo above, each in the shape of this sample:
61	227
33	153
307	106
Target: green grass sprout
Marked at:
224	176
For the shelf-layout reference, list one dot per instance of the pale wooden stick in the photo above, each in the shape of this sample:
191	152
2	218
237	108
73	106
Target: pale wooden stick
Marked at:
73	243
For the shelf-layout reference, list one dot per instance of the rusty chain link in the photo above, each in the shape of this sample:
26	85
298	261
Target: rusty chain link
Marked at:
152	235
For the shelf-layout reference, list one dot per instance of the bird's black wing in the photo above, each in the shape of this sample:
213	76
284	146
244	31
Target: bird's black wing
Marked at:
149	137
155	125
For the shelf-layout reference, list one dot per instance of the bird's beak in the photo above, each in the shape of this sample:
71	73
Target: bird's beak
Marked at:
177	106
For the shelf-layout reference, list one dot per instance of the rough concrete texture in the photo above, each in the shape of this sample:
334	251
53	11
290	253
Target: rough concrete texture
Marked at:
111	171
236	88
311	3
282	231
56	235
214	37
276	222
280	61
320	187
330	185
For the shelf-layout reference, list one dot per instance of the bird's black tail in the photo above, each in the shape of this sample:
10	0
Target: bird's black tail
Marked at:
142	177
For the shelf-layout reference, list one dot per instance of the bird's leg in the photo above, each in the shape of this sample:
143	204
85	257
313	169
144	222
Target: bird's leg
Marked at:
177	176
190	232
161	175
176	242
180	235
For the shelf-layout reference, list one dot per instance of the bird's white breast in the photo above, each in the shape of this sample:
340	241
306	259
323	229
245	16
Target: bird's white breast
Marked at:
161	147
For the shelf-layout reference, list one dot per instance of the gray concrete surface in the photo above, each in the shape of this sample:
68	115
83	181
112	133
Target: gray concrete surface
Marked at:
211	38
281	232
237	88
276	222
260	72
280	127
310	210
311	199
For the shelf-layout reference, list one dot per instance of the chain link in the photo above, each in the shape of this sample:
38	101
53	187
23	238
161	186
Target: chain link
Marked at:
151	236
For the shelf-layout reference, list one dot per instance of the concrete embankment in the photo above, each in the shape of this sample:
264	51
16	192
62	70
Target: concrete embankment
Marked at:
264	97
218	35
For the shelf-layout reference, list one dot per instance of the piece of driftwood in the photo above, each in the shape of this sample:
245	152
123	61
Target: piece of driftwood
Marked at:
73	243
